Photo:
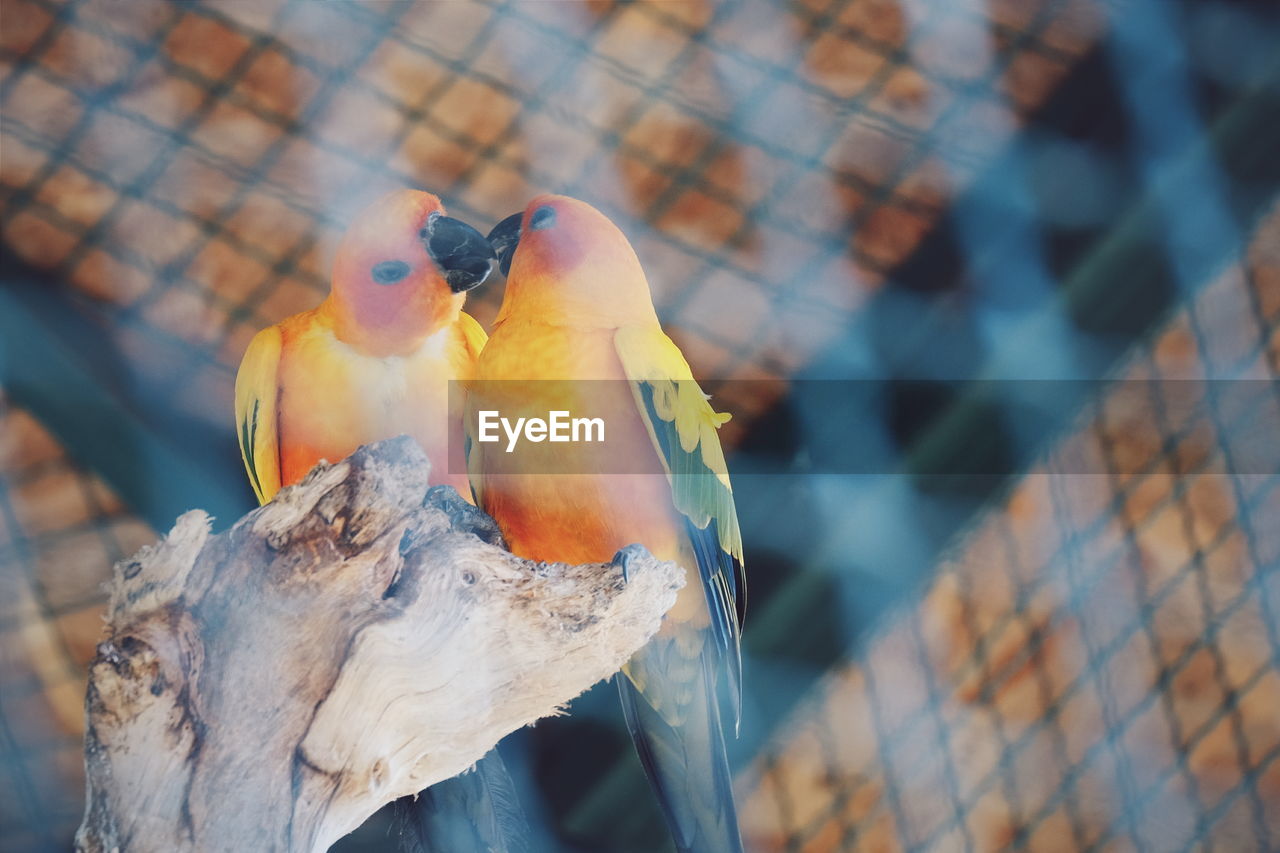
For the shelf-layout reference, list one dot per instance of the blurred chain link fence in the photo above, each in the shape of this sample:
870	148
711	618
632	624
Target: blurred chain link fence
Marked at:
1097	664
61	529
190	166
1092	667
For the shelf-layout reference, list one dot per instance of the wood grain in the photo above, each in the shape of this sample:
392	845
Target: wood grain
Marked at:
356	640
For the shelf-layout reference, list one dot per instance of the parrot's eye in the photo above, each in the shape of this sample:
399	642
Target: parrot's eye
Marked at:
543	217
389	272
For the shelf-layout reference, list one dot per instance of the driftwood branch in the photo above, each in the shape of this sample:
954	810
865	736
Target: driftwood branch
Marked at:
358	639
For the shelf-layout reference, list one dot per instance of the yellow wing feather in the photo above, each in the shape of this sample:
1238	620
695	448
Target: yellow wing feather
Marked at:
682	426
652	359
257	393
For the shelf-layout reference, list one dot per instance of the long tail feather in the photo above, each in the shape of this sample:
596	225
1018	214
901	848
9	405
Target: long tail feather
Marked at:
475	811
675	724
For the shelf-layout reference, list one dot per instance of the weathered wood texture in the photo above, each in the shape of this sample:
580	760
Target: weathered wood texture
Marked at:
358	639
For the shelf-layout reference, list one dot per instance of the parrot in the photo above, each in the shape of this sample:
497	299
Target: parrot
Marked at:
375	358
373	361
577	309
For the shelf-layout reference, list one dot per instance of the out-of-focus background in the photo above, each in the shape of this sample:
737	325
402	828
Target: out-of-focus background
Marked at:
992	288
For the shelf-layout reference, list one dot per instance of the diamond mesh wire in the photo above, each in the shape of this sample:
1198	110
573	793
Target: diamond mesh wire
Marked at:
1097	665
190	167
61	529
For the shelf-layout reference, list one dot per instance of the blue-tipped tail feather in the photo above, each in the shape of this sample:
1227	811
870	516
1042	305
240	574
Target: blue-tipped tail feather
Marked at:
682	747
475	811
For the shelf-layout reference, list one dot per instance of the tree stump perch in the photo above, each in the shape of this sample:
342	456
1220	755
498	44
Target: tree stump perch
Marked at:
358	639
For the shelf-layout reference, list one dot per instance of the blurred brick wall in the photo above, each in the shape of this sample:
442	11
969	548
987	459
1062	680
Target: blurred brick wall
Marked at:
188	167
61	529
1097	666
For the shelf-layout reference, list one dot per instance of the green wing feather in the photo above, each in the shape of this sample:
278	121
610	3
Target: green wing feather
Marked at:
683	427
257	397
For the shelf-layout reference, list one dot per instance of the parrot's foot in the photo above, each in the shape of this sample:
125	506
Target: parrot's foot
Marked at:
627	557
463	515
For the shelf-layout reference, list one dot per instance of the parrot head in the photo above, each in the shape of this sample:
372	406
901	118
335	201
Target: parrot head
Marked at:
403	268
567	260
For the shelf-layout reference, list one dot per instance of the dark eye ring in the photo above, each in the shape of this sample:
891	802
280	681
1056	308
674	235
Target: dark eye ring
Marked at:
543	217
389	272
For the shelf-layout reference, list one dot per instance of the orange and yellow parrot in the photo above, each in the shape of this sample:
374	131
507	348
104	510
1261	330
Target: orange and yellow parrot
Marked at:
373	361
375	358
578	309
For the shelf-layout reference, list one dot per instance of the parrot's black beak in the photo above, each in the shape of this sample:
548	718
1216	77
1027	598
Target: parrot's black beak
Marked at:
462	253
504	238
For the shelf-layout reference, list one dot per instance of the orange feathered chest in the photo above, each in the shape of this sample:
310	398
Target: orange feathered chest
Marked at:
617	492
334	398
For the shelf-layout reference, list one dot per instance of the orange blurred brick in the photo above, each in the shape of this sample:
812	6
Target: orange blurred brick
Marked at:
667	135
205	45
882	21
703	220
289	296
1030	77
277	84
889	234
841	65
82	629
19	162
1074	25
24	24
436	160
223	269
264	221
101	276
37	240
476	110
911	100
402	73
50	502
641	42
76	196
691	14
643	183
744	173
86	59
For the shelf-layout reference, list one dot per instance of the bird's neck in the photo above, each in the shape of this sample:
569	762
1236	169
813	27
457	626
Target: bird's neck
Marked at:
385	330
553	309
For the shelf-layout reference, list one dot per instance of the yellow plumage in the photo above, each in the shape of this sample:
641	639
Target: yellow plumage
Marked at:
373	361
577	331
